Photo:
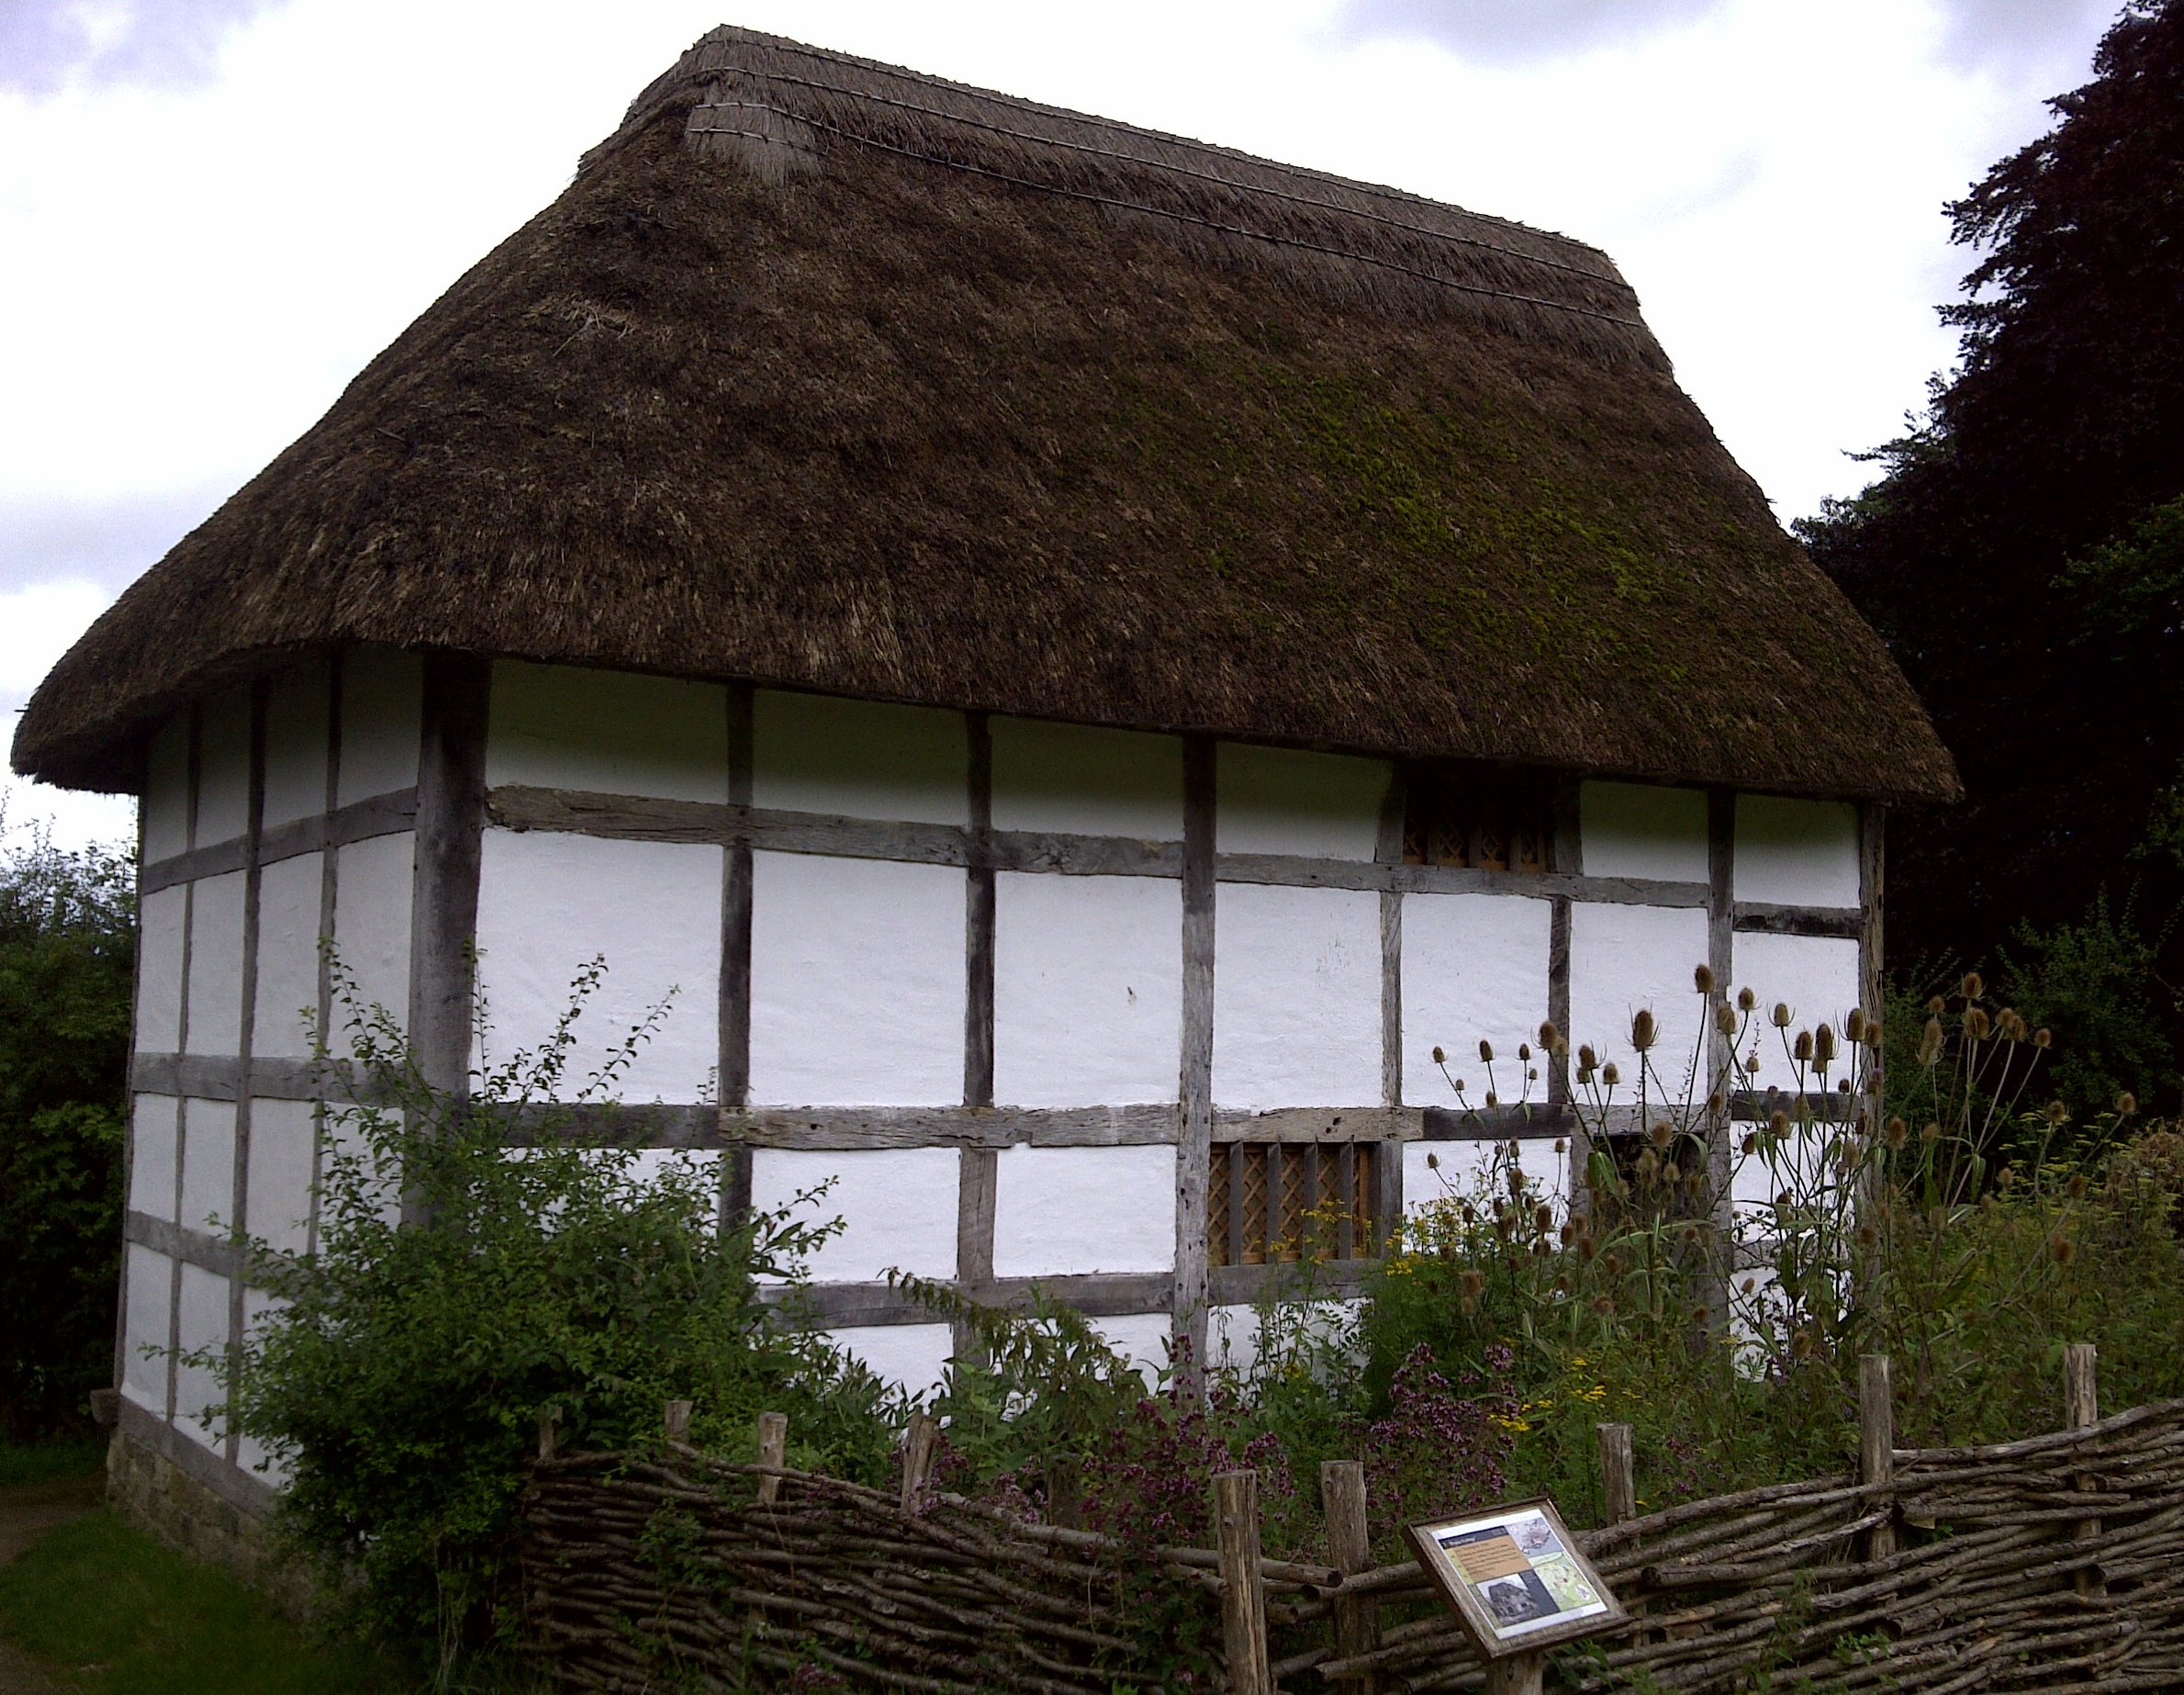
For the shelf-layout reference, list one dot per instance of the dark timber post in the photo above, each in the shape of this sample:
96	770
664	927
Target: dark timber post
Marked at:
1876	1447
977	1168
1618	1474
2081	1405
736	873
1194	1152
1722	1054
239	1217
1243	1584
1350	1552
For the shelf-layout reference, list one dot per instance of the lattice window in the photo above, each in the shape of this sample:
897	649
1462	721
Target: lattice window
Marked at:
1276	1202
1487	820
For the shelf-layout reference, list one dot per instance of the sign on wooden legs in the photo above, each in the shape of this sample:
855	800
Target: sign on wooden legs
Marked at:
1518	1584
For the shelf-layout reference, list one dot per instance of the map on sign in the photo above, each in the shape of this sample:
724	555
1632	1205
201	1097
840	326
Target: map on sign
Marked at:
1519	1573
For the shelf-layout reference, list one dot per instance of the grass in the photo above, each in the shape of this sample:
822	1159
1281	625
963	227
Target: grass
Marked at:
113	1613
45	1462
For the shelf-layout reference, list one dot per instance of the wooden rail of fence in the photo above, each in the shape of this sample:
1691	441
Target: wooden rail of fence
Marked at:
2056	1562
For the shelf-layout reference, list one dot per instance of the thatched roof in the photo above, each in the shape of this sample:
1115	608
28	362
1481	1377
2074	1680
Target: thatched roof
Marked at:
831	375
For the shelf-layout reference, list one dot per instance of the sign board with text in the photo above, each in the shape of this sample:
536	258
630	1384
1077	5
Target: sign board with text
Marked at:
1515	1578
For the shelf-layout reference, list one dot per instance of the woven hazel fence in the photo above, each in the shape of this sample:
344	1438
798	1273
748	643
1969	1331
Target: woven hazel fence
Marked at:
2054	1563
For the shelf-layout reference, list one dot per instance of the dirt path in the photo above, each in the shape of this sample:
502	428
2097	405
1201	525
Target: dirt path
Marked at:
27	1513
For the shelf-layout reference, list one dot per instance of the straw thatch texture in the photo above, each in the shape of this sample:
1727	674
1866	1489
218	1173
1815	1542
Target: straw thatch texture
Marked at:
833	376
642	1568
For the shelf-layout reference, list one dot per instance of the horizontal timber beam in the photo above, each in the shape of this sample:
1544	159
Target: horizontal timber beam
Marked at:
1097	1295
380	814
1767	918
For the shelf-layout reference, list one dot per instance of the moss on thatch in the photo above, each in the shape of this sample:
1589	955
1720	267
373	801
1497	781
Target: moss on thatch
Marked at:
938	396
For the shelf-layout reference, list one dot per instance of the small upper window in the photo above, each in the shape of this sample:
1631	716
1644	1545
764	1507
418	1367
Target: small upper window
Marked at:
1483	819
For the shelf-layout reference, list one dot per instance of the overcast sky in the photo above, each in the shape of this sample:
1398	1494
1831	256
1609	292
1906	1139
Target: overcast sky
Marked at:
215	211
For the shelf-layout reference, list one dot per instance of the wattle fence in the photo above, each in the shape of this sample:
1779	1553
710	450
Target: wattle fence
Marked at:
2052	1563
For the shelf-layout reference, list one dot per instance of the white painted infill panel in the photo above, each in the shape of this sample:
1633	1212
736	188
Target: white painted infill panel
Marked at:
897	1206
382	720
1063	1210
1142	1339
224	768
155	1147
215	966
1275	800
277	1200
148	1302
1088	981
1297	997
159	969
371	927
856	982
1816	977
287	1000
914	1356
1474	966
250	1452
1437	1171
566	726
164	808
208	1166
1635	830
204	1325
549	902
1796	853
296	715
1073	779
1625	958
860	760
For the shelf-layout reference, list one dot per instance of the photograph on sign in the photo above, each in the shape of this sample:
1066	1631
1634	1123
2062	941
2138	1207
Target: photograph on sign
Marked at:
1514	1577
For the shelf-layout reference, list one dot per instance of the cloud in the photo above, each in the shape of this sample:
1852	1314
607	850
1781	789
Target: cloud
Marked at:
1980	34
40	623
1518	31
47	45
105	540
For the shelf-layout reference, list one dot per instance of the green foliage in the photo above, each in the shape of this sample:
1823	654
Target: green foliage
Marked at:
482	1260
126	1617
67	956
2095	983
72	1456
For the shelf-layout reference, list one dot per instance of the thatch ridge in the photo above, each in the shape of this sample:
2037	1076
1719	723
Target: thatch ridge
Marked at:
894	404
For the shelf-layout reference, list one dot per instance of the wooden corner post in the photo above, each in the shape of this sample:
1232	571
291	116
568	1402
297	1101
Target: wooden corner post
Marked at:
1350	1552
1877	1448
1243	1585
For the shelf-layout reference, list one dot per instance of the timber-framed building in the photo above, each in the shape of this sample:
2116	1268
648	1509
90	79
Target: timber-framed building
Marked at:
1081	656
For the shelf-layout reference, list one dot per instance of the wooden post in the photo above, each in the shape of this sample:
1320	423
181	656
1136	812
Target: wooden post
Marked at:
1065	1491
2081	1405
1618	1474
1349	1550
772	1449
1520	1674
676	1421
917	1457
1877	1445
548	1419
1243	1587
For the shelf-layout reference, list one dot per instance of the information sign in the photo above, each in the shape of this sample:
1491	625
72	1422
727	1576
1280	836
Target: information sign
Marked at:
1515	1578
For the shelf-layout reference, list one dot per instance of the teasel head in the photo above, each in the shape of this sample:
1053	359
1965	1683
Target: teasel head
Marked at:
1801	1344
2058	1114
1702	979
1562	1283
1473	1282
1524	1054
2043	1037
1604	1304
1931	1134
1549	1037
1823	1046
1485	1052
1894	1133
1752	1065
1976	1023
1715	1103
1854	1026
1929	1042
1610	1075
1569	1234
1586	1248
1746	1000
1542	1218
1613	1264
1642	1030
2126	1104
2076	1185
1672	1174
1441	1056
1935	1007
1660	1134
1867	1235
1725	1019
1586	1059
1751	1145
1782	1015
1778	1123
1872	1035
2062	1247
1432	1162
1973	986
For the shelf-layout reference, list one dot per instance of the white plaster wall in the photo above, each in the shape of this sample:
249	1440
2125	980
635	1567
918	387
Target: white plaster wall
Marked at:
215	966
382	720
1063	1210
859	760
381	1184
208	1166
1437	1171
288	958
148	1302
1233	1333
913	1355
898	1207
164	808
1275	800
1799	853
1141	1338
856	982
1623	958
548	902
250	1452
204	1324
1475	966
371	926
224	768
1815	976
1073	779
159	969
155	1147
1087	989
295	716
1793	1164
283	1139
1635	830
1297	996
563	727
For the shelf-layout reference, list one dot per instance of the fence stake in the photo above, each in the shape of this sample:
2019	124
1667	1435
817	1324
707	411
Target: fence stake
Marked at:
772	1449
1243	1587
2081	1405
1876	1446
1349	1550
1618	1474
676	1421
548	1419
1065	1491
917	1456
